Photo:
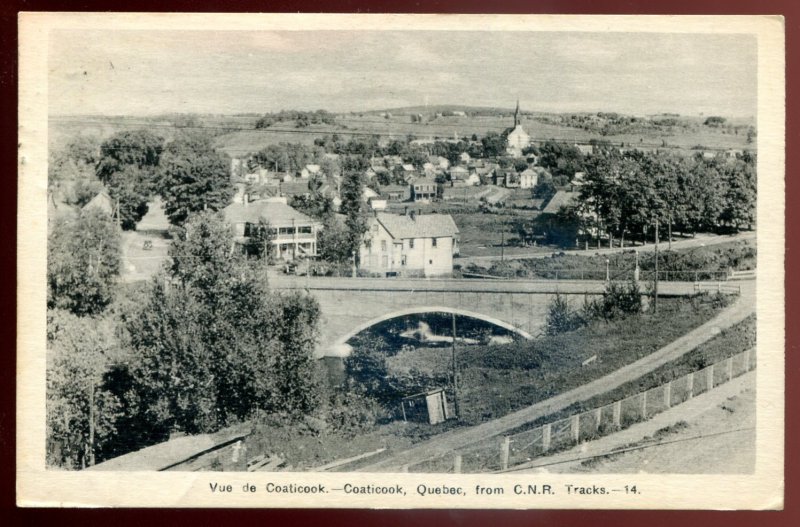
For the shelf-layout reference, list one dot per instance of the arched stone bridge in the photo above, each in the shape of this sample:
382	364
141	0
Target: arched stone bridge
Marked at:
351	305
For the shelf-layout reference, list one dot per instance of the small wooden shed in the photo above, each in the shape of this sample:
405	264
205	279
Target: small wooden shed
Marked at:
430	406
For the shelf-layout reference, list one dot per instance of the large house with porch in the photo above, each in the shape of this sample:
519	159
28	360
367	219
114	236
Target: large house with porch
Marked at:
409	245
294	235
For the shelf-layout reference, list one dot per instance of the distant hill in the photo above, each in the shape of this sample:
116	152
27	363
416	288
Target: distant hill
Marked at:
439	108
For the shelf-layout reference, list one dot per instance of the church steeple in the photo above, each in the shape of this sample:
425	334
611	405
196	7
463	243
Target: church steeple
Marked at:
516	114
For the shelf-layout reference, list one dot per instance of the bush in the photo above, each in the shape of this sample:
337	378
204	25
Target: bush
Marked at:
350	413
561	318
619	301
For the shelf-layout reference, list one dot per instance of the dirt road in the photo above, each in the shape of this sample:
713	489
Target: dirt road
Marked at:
701	240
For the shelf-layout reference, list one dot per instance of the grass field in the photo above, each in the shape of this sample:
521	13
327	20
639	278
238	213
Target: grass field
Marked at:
233	138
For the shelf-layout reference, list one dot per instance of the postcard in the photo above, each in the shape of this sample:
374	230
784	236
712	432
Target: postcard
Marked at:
400	261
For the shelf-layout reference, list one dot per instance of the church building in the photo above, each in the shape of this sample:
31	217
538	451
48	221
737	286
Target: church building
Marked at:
516	138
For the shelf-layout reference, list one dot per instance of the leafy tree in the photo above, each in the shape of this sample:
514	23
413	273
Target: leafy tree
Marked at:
140	149
194	177
740	194
82	414
214	346
353	206
83	261
315	204
494	145
259	242
561	159
125	189
544	190
334	241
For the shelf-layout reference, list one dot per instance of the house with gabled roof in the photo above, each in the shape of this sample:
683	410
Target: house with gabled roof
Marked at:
409	245
102	202
293	233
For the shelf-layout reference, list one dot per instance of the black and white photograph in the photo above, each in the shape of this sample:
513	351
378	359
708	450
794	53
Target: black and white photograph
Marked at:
404	261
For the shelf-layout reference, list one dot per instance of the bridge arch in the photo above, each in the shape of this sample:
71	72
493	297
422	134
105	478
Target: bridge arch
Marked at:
340	348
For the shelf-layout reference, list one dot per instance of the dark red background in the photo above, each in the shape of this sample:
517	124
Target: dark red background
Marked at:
286	518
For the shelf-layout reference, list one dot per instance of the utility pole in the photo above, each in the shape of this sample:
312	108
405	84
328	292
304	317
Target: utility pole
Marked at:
669	234
91	421
502	241
455	371
655	288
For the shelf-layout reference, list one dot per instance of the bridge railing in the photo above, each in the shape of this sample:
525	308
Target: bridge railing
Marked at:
497	454
613	274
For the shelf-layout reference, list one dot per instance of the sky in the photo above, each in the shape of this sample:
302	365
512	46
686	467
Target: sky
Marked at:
224	72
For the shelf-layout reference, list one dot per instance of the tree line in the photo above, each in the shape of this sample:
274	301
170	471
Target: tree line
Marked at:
625	195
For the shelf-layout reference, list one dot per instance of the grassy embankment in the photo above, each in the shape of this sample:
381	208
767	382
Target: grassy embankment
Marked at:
727	343
499	379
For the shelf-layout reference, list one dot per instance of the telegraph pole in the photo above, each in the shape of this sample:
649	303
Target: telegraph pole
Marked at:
91	420
503	241
455	371
655	289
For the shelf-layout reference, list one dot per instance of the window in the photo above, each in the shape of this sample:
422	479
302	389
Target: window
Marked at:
375	228
304	229
403	260
383	245
433	242
411	243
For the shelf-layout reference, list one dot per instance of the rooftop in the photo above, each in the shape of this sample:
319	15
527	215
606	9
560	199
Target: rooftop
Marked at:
561	198
419	226
274	212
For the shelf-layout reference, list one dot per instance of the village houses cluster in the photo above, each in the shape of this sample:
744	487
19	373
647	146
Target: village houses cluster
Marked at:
406	243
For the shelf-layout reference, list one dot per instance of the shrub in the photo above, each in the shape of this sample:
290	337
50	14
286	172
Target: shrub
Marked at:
619	301
351	413
561	318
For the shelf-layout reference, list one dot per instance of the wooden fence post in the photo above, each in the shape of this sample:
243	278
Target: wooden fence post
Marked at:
576	428
617	413
668	394
643	406
546	437
457	464
505	446
690	385
729	368
598	416
710	377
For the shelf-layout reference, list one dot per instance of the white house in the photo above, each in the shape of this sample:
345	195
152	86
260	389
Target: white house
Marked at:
293	233
410	245
528	178
309	171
